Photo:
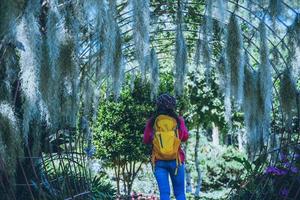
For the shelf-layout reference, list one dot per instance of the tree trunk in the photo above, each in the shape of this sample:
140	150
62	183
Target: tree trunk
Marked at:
242	140
215	134
188	180
117	170
129	178
199	179
124	179
130	175
187	171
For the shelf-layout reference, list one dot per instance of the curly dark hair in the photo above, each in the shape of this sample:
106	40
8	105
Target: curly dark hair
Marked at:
165	106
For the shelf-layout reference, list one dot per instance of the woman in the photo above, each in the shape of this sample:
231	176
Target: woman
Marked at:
164	168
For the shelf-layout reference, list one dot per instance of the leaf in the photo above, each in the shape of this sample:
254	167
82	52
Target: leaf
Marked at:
259	162
244	162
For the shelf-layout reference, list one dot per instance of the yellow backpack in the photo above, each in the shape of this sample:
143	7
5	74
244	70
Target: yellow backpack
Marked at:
166	140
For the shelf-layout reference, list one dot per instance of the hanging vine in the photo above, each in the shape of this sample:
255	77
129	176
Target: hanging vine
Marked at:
235	57
181	53
141	22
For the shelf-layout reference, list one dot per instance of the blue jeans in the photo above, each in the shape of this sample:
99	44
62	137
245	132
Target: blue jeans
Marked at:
164	169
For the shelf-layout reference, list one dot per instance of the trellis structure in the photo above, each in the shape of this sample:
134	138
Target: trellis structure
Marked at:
90	27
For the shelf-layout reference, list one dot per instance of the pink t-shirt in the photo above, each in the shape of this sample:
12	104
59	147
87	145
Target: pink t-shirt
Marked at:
183	135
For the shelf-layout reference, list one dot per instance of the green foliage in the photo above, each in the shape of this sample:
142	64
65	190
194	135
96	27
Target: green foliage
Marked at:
206	103
271	182
64	183
222	170
120	125
59	182
102	189
10	143
218	164
118	132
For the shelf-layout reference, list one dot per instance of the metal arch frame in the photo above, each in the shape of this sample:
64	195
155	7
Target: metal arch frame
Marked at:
250	40
88	45
281	40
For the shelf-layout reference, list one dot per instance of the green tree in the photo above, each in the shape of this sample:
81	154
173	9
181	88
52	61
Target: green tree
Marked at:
119	132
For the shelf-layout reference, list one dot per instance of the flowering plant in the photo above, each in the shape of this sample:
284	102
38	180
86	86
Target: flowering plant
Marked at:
276	181
285	176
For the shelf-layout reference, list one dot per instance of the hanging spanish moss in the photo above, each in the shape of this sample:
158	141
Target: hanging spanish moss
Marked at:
99	69
55	34
294	42
87	88
118	75
250	5
109	46
262	3
180	56
207	35
8	56
180	62
8	71
274	59
294	36
73	14
288	95
154	65
9	68
69	83
198	53
87	97
100	20
141	20
264	85
221	8
118	67
10	141
69	68
275	8
224	79
221	72
57	58
9	11
234	54
30	63
208	22
250	107
294	30
206	57
224	82
112	51
227	97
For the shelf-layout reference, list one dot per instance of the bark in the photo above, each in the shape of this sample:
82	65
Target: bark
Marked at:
131	170
188	177
242	140
199	178
117	170
215	134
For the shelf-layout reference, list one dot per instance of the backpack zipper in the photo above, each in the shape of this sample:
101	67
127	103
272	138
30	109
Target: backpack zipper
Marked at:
161	141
